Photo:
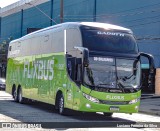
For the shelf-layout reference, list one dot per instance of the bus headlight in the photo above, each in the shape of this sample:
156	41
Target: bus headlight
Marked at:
91	98
134	101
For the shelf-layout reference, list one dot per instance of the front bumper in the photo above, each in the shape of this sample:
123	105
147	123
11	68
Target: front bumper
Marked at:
122	102
89	106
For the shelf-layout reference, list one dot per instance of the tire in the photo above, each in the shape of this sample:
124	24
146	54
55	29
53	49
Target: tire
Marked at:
107	114
14	94
61	108
19	96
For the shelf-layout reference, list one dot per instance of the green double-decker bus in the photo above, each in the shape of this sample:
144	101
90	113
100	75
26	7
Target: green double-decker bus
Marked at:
83	66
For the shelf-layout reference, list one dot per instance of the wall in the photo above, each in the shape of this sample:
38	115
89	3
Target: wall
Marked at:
141	16
11	26
33	18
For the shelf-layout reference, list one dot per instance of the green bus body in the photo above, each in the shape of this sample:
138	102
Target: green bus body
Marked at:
42	74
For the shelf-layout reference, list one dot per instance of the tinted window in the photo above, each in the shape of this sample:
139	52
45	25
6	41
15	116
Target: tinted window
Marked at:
110	72
97	39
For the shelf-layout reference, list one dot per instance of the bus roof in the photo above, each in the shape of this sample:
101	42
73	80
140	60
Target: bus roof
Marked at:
105	26
77	24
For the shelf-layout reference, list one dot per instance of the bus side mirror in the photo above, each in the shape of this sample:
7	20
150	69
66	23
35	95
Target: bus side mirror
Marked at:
135	67
85	57
151	61
151	68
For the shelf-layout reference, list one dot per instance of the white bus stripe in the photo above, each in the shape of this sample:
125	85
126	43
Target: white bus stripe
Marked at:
64	41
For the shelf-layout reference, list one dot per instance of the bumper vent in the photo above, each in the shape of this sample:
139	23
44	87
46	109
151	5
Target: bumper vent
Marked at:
114	102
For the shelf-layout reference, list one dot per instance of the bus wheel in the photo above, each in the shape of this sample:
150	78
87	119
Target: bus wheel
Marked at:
20	98
107	114
14	94
61	105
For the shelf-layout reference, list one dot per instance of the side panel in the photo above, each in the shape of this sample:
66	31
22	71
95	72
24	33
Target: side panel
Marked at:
40	73
39	76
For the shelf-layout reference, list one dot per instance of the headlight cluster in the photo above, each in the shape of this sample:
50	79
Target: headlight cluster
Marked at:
134	101
91	98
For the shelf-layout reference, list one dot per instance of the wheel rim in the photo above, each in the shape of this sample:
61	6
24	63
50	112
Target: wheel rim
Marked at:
61	105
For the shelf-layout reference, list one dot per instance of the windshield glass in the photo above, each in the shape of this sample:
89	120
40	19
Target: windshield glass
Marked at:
128	73
112	73
97	39
100	72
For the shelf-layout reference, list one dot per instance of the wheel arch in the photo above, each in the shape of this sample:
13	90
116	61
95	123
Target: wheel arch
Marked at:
18	88
13	88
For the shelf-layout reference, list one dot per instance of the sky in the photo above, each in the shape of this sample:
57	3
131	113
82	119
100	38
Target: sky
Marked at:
4	3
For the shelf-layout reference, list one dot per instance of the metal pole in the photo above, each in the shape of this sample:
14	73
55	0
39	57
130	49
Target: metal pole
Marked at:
95	10
0	27
21	22
51	22
61	11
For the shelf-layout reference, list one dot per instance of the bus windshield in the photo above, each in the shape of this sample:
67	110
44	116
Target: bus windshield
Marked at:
112	73
98	39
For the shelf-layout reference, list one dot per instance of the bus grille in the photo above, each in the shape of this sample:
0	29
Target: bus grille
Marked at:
114	102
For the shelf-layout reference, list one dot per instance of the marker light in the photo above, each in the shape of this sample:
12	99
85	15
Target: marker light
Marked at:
136	107
88	105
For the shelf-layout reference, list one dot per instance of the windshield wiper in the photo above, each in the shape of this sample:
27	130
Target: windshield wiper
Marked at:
102	84
99	85
121	85
128	77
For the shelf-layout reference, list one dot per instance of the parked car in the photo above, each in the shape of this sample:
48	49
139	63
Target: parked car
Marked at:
2	84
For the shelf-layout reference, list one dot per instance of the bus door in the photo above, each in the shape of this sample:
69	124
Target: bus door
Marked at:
78	82
70	81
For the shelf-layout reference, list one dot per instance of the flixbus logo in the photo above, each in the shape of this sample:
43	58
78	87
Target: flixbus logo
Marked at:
111	97
41	69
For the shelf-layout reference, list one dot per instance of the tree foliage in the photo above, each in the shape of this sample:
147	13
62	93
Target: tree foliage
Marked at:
4	49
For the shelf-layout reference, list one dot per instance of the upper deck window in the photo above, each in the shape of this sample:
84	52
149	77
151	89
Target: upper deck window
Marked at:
98	39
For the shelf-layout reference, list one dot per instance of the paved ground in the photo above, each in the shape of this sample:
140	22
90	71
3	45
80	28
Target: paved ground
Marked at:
37	112
150	104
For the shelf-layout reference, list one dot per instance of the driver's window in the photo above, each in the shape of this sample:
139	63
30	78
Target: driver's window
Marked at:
71	62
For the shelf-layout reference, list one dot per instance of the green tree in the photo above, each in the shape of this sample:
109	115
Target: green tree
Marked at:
4	50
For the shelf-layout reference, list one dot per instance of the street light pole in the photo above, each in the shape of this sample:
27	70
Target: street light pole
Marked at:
61	11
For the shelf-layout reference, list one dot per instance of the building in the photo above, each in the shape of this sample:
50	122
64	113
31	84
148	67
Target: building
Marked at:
140	16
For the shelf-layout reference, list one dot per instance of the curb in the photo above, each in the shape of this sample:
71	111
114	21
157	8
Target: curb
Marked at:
149	113
150	97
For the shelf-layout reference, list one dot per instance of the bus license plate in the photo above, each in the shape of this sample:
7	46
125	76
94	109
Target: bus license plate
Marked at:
114	108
